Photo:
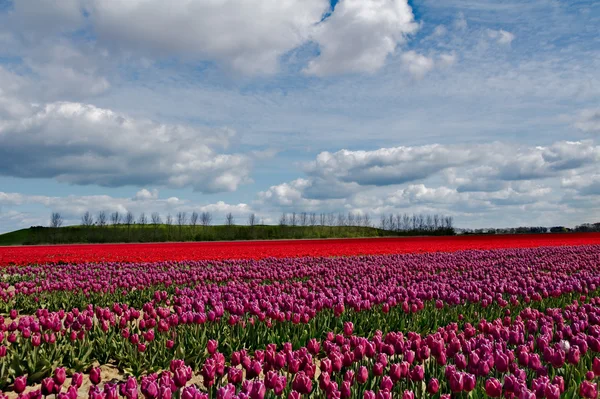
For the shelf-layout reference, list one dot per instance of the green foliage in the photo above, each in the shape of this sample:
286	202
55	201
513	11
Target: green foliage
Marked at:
166	233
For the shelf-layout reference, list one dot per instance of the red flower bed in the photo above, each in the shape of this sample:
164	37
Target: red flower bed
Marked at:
279	249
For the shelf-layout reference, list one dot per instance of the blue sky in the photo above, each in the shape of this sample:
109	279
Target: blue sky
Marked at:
488	111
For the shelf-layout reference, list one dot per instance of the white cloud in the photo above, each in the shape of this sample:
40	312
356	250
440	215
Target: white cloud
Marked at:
83	144
447	59
72	207
440	30
475	167
247	36
417	64
589	121
460	22
145	194
360	35
583	185
501	36
388	166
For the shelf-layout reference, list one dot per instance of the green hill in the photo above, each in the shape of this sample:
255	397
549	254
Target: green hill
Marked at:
16	237
165	233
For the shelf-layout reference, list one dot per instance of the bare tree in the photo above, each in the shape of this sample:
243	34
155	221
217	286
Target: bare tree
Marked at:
155	218
169	223
405	222
313	219
436	221
283	219
366	220
359	220
330	219
322	219
205	219
87	219
101	219
115	218
156	221
56	220
194	220
448	221
391	223
341	219
429	223
293	219
303	219
384	222
350	219
143	220
252	220
181	221
229	219
129	219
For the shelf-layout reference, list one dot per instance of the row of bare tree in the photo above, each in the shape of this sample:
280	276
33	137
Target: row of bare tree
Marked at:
391	222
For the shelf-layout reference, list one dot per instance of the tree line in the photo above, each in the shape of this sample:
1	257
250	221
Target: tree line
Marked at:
582	228
199	226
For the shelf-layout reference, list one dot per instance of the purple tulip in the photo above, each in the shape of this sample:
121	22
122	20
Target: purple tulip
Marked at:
433	386
20	384
302	383
60	375
493	388
95	375
386	383
408	395
588	390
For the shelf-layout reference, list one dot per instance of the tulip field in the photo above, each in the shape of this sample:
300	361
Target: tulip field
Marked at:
461	317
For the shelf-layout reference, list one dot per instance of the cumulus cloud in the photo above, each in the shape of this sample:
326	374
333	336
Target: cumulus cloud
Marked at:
357	36
82	144
388	166
248	36
589	121
295	195
460	180
583	185
145	194
360	35
475	167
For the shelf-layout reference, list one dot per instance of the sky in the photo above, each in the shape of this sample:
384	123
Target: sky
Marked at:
484	110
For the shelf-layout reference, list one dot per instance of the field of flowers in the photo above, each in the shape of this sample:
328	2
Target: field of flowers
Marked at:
23	255
414	318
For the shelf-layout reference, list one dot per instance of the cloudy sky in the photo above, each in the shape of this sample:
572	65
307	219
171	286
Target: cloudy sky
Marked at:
486	110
